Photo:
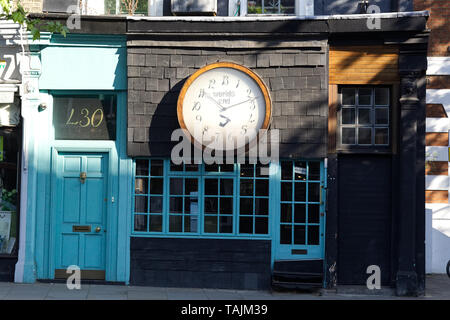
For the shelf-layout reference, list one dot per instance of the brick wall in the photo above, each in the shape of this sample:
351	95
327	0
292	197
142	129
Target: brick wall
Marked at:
438	23
295	77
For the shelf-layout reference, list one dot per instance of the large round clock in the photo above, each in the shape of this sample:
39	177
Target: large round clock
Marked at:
224	105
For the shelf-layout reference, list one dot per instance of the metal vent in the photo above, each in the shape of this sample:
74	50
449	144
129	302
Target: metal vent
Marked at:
58	6
194	7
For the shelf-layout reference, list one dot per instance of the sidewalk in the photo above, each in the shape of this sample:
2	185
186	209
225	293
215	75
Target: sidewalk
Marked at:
438	287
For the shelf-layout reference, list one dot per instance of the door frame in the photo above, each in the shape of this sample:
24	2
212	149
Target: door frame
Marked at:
276	246
110	212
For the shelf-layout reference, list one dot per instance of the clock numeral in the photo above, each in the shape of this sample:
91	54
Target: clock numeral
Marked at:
202	93
244	129
225	81
196	106
249	92
252	105
198	117
212	82
239	81
205	129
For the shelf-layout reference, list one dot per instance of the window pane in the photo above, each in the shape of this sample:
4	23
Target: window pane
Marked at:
271	6
348	136
262	187
211	224
157	168
286	212
156	185
254	6
141	186
313	192
299	235
287	6
190	223
211	186
176	205
247	170
211	205
226	205
313	235
300	191
313	213
227	168
348	96
226	187
246	206
175	223
212	168
155	223
285	234
191	167
381	116
261	226
381	136
156	204
245	225
286	191
190	186
365	97
140	222
314	171
300	213
175	167
286	170
226	224
176	186
261	206
382	96
262	170
364	135
246	187
141	167
348	115
141	204
300	170
364	116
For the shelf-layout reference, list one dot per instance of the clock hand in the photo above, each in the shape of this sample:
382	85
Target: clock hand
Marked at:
234	105
218	104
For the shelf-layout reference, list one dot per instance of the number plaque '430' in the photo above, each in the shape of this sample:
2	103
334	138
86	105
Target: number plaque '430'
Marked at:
84	117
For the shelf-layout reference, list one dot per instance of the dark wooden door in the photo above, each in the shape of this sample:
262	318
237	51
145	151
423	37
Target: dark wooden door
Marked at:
364	217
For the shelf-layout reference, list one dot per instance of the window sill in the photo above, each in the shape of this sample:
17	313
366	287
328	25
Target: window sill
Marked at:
364	151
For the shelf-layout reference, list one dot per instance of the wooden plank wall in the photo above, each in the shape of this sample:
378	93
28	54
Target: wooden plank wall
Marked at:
364	65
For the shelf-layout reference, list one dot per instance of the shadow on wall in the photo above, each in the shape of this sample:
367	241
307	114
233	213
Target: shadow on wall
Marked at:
440	240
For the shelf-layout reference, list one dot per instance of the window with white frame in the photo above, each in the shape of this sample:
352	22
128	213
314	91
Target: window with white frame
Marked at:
271	6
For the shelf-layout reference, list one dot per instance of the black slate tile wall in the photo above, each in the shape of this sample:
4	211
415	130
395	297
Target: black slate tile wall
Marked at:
204	263
296	78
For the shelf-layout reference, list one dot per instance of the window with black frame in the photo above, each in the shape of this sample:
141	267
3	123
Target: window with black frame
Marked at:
364	117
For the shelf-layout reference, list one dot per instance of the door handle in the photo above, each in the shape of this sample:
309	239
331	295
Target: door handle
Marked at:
98	229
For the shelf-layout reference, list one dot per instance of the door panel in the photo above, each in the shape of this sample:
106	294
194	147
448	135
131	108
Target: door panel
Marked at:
365	218
300	227
80	217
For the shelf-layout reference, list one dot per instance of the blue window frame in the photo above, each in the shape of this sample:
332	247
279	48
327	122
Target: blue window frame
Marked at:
202	200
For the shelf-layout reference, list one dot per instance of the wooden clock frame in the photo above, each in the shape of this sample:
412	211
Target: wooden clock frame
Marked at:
251	74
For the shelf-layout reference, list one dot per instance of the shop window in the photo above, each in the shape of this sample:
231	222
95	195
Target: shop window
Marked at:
270	6
9	164
300	203
200	199
364	117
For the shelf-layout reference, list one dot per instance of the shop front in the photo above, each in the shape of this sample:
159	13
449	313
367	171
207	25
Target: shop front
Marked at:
10	147
78	175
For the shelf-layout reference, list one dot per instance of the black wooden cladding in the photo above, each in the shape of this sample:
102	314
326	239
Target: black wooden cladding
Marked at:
365	218
203	263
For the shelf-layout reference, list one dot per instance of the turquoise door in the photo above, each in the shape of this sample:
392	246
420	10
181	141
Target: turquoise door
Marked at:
300	228
81	212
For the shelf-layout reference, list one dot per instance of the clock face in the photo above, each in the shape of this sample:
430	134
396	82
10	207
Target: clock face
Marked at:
223	106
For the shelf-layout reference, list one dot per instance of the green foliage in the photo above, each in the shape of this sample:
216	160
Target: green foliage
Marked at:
34	26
